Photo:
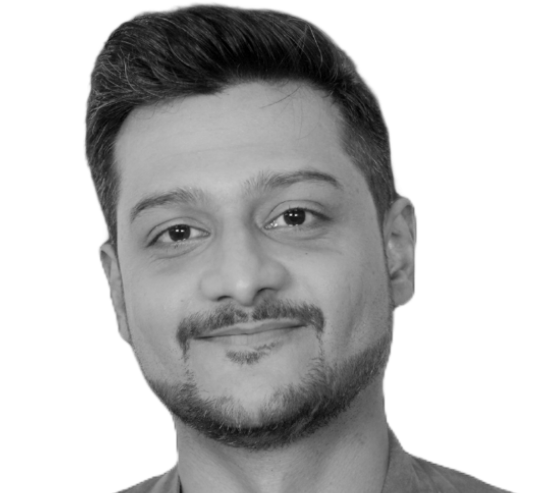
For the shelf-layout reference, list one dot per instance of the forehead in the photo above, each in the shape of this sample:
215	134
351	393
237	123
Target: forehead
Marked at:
219	140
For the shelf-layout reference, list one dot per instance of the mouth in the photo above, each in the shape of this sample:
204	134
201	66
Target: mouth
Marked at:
254	330
270	334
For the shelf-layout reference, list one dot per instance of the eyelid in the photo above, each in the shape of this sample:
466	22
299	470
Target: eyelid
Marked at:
318	215
165	230
320	218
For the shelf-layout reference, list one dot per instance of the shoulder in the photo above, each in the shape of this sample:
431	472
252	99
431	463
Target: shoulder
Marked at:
433	477
166	483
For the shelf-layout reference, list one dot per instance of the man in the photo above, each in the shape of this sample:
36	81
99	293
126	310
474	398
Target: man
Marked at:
257	249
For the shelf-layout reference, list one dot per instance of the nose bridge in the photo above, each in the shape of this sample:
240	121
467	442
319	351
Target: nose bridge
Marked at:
241	267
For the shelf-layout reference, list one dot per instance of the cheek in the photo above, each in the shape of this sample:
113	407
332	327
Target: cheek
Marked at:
354	297
155	307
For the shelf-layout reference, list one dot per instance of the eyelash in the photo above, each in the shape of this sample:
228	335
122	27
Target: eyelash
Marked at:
176	244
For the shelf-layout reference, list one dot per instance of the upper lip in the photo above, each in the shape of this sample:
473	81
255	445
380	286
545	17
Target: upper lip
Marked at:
252	328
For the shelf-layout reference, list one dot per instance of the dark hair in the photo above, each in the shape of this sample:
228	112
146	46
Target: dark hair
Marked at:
205	49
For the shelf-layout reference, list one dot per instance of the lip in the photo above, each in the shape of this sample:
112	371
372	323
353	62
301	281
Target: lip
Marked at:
252	328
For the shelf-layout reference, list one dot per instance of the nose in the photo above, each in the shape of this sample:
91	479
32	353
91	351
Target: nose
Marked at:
242	270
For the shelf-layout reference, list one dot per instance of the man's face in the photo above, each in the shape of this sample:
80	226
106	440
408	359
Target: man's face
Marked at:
250	268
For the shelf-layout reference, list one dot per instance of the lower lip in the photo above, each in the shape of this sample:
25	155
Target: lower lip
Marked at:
254	339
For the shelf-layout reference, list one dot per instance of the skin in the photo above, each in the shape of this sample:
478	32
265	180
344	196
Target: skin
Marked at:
243	252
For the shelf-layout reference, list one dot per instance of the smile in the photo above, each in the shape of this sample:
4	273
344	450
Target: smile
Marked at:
252	334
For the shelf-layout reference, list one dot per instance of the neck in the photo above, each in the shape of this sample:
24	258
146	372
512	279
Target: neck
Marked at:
349	454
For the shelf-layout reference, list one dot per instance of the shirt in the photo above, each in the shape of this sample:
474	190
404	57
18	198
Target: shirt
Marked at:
405	474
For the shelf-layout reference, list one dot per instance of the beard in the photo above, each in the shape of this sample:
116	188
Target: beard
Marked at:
292	413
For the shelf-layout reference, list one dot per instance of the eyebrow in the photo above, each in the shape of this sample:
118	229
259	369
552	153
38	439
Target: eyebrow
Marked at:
262	182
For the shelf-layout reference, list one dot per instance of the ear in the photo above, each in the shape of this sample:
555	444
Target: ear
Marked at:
111	266
400	234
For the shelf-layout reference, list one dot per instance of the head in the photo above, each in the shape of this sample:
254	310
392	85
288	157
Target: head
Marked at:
256	245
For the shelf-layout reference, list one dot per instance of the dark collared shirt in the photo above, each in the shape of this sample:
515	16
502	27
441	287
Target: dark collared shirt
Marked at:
406	474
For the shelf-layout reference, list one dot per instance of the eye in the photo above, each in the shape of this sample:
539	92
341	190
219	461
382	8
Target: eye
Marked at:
295	217
178	234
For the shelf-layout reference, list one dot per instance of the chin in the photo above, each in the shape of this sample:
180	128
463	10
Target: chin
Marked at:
290	414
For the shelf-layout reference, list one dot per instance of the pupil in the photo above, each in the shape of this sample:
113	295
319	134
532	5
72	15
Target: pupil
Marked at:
295	217
179	233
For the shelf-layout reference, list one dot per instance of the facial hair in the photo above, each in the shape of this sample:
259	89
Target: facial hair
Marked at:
292	413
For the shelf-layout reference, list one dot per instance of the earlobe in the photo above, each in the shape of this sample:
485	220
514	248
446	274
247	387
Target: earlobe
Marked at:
111	268
400	231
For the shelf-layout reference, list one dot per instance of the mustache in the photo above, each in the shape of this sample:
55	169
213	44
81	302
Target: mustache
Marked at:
201	324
